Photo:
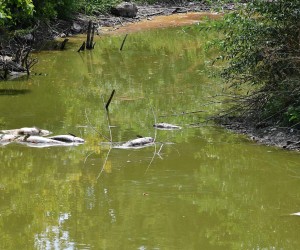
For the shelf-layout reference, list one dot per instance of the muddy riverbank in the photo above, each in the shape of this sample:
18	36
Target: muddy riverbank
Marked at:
270	135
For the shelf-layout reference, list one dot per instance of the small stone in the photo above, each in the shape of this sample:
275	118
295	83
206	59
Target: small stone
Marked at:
76	28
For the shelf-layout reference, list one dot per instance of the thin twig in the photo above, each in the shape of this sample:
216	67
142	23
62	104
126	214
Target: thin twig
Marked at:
152	159
97	131
87	157
183	113
103	166
155	121
155	134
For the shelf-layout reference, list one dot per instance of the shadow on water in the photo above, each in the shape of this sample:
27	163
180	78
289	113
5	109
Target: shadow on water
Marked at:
13	92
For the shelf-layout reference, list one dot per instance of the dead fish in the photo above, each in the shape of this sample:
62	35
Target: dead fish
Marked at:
166	126
296	214
26	131
7	138
67	138
37	140
139	142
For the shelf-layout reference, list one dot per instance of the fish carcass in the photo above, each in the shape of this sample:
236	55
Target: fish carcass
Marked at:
137	143
166	126
7	138
67	138
26	131
38	141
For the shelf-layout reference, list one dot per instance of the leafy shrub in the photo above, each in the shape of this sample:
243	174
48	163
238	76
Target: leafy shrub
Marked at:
15	11
54	8
90	6
262	48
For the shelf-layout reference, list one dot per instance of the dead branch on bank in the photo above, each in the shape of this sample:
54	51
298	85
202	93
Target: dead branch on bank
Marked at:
15	60
90	36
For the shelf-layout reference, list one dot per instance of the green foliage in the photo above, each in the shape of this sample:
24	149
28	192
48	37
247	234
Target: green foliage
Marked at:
21	13
261	45
91	6
15	11
53	8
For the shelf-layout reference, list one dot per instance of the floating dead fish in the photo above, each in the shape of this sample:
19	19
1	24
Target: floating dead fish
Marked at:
40	142
36	139
137	143
67	138
296	214
7	138
166	126
26	131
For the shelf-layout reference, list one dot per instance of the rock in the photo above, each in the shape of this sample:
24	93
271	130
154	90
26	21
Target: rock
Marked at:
76	28
28	38
125	9
5	58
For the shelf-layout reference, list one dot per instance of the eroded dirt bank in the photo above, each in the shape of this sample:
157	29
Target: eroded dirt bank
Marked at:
270	135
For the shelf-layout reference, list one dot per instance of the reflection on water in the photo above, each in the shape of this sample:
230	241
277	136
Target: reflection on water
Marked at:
196	188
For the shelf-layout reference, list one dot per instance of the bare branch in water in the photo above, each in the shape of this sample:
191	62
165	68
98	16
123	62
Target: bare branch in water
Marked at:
109	100
89	123
183	113
123	42
103	166
107	118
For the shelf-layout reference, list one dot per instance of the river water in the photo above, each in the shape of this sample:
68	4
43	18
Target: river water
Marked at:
200	187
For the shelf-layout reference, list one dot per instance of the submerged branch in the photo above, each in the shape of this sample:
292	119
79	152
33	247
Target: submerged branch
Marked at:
97	131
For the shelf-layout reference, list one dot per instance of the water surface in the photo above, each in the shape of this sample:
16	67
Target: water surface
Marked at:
201	187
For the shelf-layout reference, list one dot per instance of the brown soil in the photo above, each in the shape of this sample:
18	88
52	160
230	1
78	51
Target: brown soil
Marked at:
173	20
270	135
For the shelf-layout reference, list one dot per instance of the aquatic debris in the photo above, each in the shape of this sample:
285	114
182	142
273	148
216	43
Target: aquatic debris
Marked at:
67	138
137	143
166	126
296	214
26	131
7	138
34	137
38	141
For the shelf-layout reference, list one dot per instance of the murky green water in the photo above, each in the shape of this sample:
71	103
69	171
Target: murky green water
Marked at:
199	188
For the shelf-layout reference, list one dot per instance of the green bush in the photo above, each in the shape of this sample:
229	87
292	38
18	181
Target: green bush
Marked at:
21	13
261	45
91	6
55	8
15	12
